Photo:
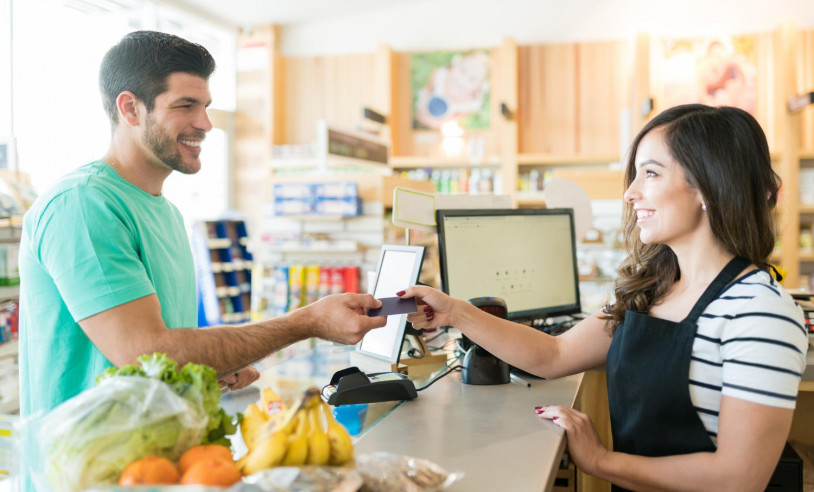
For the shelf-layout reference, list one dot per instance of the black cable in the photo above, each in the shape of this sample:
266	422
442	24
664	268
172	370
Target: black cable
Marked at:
442	347
436	378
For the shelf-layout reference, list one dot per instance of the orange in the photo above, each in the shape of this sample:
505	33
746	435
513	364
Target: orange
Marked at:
212	472
203	452
149	470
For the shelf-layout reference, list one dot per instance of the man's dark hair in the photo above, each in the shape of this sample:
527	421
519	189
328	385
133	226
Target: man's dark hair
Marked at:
141	63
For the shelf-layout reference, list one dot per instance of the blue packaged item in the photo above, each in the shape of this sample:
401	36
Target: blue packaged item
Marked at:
351	416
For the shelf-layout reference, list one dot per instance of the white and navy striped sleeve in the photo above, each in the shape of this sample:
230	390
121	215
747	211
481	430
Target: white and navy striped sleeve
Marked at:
763	345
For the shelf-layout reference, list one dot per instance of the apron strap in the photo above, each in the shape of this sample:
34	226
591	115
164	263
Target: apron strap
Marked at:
727	275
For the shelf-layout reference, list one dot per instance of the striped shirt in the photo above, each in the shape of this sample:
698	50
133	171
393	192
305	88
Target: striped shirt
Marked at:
750	344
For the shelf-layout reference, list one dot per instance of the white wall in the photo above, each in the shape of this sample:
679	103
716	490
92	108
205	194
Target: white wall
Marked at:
460	24
5	61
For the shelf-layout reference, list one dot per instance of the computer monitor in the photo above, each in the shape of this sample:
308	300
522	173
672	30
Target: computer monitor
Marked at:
398	268
527	257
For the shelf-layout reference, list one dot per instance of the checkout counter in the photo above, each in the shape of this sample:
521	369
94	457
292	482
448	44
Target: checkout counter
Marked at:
490	433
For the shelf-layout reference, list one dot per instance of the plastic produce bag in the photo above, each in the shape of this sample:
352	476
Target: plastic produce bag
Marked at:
88	440
386	472
304	479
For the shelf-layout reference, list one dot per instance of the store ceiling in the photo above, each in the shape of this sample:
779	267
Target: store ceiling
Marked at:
248	13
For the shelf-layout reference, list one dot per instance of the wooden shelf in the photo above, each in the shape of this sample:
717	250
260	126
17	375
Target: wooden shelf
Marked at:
409	162
530	198
10	407
8	349
565	160
806	155
219	243
9	292
313	164
806	209
10	233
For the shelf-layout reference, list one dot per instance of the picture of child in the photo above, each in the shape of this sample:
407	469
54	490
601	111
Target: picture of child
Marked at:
725	78
451	86
717	72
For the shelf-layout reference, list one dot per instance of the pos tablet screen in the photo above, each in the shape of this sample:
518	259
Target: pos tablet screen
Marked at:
398	268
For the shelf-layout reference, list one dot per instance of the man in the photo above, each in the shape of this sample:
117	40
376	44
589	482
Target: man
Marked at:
106	269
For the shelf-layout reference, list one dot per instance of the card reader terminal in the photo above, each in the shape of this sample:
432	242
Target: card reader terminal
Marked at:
353	386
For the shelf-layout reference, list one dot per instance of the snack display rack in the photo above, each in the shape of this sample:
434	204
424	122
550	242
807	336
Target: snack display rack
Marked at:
223	268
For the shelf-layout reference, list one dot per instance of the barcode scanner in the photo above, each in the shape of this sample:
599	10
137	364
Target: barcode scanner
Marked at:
480	366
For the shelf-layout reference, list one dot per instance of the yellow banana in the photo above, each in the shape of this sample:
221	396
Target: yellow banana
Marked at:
252	420
269	443
268	452
297	451
319	447
341	443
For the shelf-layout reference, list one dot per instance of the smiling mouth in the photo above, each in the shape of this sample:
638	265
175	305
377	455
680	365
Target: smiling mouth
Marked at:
191	143
643	214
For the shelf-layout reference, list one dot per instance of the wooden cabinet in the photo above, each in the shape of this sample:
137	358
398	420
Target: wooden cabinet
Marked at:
573	105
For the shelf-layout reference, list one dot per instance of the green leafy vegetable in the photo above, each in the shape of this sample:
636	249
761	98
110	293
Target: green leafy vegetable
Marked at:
195	382
138	410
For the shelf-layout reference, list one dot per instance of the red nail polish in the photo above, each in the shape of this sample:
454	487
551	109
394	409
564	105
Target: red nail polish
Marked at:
538	408
554	418
400	293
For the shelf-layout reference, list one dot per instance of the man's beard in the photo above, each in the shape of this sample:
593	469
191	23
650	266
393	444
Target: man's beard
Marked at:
165	148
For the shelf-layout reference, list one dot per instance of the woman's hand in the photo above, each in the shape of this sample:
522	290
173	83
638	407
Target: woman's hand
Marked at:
435	308
584	445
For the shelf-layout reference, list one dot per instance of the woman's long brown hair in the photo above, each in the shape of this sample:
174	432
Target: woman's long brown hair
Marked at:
725	156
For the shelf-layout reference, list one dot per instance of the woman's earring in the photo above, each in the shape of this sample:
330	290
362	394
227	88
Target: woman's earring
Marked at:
704	207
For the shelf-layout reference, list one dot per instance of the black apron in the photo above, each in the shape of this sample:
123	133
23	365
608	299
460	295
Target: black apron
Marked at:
648	368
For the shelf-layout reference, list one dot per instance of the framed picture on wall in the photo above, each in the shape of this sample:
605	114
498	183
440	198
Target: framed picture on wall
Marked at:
718	72
451	86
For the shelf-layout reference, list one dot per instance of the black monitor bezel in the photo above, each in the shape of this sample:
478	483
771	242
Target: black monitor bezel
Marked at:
529	314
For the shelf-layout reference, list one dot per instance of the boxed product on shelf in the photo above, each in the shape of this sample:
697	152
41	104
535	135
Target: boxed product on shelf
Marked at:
346	207
296	286
293	206
279	293
9	273
9	318
327	198
311	286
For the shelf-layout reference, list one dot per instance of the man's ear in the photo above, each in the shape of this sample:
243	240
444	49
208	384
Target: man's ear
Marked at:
128	105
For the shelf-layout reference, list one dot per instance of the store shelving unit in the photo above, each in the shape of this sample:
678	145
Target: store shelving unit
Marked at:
8	362
224	271
10	231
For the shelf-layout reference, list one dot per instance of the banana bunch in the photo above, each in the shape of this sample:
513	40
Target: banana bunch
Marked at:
295	437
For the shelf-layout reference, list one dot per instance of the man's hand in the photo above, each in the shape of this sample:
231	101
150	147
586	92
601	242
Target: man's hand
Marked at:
240	379
341	317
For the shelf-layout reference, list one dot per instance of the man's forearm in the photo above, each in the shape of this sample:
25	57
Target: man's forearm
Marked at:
230	348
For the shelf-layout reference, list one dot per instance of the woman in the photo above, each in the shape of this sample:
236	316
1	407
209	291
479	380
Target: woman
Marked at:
703	349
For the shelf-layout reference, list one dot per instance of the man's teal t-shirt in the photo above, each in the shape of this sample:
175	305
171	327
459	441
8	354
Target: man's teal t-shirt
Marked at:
91	243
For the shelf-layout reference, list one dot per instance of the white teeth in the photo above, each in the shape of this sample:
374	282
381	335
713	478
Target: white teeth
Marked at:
643	214
191	143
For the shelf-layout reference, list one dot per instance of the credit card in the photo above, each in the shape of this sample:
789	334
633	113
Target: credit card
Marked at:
394	305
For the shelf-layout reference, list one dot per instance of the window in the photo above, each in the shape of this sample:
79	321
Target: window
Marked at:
58	118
